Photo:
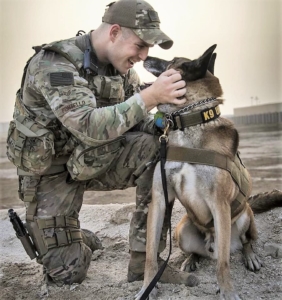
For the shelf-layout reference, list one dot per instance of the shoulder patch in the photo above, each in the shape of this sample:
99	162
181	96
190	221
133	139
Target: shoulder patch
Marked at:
61	78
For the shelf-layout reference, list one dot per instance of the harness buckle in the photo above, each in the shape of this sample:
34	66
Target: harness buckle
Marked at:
178	123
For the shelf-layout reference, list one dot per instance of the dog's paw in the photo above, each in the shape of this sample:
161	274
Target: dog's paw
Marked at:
190	264
253	262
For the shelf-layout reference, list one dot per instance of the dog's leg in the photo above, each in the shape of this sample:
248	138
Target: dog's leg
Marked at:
248	233
155	221
192	242
222	222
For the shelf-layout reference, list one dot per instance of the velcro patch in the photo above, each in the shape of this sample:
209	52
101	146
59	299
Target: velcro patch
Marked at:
153	15
210	114
61	78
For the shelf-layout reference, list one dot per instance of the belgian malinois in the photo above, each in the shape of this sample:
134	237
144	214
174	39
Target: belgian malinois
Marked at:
219	219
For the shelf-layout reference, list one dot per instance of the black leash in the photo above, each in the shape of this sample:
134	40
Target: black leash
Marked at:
163	140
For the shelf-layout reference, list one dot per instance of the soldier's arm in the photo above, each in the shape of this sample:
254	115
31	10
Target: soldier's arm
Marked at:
74	104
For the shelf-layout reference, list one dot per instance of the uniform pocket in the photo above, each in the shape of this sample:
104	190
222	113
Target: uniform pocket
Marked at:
30	146
87	162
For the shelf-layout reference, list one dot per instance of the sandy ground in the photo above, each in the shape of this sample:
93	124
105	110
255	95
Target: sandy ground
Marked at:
108	215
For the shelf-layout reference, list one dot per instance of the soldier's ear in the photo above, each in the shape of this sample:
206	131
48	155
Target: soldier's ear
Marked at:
114	32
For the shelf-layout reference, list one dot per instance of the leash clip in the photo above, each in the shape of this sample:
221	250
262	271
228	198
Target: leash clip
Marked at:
164	135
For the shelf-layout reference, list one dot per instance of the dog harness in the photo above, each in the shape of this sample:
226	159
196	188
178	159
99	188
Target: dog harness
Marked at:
235	167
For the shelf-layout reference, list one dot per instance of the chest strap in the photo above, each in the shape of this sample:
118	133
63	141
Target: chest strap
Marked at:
235	167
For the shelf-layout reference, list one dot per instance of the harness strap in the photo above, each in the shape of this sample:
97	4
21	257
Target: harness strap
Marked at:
235	167
207	157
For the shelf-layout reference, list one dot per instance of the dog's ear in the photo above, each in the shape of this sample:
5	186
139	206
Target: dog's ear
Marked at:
197	68
211	64
155	65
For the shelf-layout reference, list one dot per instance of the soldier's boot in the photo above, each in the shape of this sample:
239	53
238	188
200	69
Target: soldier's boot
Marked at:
91	240
170	275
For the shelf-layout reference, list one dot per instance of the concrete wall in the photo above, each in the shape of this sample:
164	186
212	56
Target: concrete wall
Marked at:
258	109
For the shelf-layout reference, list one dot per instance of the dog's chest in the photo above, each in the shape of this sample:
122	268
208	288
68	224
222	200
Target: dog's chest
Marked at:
193	187
188	138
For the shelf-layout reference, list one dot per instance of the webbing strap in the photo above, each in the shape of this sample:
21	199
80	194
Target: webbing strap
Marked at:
207	157
25	129
63	238
18	148
107	87
30	198
58	222
211	158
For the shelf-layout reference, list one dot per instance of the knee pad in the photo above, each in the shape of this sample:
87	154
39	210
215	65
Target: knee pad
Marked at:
68	264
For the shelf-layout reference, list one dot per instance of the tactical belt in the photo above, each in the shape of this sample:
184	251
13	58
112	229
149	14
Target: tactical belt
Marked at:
235	167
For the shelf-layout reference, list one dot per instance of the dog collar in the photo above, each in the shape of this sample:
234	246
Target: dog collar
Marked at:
181	119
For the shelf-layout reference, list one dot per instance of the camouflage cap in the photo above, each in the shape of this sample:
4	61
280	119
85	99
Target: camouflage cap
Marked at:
139	16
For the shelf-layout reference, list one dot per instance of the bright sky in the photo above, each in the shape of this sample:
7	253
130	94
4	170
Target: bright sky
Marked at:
247	34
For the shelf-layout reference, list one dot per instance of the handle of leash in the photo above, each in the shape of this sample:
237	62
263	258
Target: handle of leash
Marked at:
155	280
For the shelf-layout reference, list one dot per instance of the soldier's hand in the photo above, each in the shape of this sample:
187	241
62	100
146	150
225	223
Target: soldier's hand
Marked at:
166	89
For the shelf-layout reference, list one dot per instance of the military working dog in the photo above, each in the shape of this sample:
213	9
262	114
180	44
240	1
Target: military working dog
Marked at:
204	171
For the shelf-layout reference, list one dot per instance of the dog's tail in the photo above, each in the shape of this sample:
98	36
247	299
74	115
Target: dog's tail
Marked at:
265	201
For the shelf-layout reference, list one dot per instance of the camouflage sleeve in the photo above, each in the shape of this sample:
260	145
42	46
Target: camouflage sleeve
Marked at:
132	84
74	104
147	125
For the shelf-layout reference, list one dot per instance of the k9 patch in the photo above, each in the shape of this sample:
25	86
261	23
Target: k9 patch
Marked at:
210	114
61	78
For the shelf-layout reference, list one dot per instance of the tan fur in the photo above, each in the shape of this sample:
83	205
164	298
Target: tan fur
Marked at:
206	193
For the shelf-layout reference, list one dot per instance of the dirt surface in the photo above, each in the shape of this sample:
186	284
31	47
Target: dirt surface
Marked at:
108	215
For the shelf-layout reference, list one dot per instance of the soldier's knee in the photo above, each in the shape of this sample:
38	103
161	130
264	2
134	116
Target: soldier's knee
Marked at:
67	265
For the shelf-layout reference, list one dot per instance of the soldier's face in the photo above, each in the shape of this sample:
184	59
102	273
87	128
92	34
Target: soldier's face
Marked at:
127	49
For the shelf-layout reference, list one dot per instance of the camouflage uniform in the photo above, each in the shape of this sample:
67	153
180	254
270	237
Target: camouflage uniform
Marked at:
83	123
